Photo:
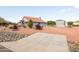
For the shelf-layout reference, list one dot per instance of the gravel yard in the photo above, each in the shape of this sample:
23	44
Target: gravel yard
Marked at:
73	46
10	36
7	37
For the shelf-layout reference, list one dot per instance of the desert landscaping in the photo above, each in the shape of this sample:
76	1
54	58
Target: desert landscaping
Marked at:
11	34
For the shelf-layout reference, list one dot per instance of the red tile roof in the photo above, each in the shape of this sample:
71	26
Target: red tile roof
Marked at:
34	19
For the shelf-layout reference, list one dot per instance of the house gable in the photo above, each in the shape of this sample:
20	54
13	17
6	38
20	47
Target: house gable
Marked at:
34	19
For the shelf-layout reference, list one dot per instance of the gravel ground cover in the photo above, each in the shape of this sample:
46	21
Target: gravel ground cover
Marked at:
10	36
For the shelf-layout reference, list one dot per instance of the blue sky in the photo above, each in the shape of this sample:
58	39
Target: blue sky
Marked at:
15	13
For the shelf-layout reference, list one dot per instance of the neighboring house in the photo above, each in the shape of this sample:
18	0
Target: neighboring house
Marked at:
60	23
35	21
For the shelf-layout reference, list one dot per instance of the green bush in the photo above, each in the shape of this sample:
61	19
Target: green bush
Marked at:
30	24
51	23
70	24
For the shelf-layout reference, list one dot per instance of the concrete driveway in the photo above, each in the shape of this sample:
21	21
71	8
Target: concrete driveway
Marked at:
39	42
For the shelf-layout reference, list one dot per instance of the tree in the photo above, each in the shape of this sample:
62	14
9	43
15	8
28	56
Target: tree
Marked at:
30	24
70	24
51	23
1	21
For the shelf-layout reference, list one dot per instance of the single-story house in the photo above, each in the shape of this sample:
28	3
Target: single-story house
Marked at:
35	21
60	23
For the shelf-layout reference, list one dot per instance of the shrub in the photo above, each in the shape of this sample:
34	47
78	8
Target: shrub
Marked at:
38	27
5	24
15	27
70	24
10	26
51	23
30	24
